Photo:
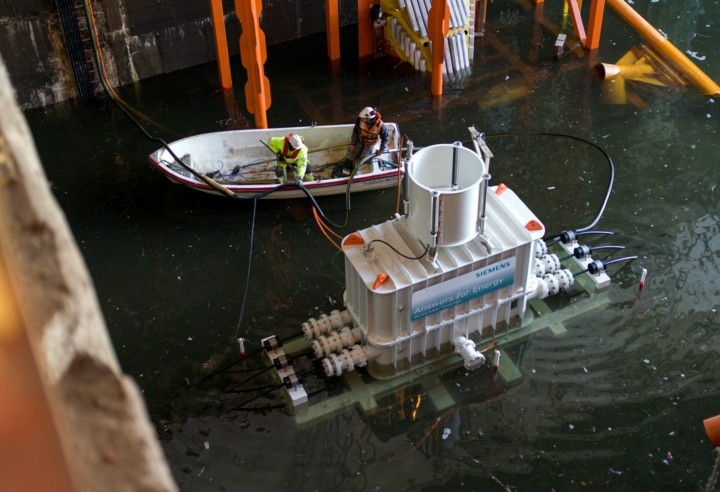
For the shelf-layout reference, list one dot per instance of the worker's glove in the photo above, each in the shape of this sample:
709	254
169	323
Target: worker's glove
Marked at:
299	181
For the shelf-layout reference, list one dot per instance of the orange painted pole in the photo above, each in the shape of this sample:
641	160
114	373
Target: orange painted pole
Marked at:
253	55
595	20
481	16
332	26
365	29
438	26
217	19
665	48
577	20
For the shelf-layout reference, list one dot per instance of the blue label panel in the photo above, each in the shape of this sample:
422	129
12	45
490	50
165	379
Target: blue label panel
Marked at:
463	288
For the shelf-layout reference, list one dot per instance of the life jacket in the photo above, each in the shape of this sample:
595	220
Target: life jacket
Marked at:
368	135
286	149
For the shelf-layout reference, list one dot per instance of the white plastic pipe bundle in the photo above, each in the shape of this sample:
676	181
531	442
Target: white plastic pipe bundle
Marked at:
456	57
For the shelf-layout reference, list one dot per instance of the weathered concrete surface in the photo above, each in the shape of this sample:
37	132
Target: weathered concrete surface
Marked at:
103	426
139	39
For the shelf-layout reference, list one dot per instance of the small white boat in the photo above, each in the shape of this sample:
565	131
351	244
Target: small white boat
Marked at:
240	163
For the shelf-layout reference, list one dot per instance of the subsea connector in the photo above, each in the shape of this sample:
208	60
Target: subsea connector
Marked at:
325	345
293	385
582	252
471	356
596	267
325	324
549	263
552	283
540	248
347	360
567	237
271	343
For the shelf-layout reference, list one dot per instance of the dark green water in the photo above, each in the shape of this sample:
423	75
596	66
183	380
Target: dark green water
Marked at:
615	403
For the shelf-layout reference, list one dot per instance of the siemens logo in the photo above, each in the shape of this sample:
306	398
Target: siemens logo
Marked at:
495	268
463	288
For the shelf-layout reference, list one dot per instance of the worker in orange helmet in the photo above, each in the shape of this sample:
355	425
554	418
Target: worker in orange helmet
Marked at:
369	136
291	150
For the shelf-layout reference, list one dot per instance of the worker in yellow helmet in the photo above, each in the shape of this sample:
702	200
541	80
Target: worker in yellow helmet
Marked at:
369	136
291	150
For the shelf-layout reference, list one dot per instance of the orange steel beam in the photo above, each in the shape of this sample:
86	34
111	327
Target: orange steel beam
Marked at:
438	26
597	8
665	48
217	19
332	26
537	30
577	20
481	15
253	55
365	29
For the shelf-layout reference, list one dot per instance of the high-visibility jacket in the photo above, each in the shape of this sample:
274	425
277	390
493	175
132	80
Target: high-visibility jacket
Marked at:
298	158
368	135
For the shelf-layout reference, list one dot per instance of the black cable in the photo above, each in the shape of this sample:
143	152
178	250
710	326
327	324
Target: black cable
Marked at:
427	247
226	367
271	366
611	165
247	356
256	388
250	378
352	175
260	395
249	268
261	409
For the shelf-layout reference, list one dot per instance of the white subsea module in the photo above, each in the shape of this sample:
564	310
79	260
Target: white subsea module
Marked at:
456	267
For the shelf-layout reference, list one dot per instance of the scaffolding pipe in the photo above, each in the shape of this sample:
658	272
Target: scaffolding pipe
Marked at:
665	48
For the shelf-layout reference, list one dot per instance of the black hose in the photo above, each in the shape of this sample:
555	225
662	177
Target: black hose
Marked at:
611	165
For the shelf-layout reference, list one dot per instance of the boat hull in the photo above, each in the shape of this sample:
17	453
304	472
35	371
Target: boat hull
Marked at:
241	164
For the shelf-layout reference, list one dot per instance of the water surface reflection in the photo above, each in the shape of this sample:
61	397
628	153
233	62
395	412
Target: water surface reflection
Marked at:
616	402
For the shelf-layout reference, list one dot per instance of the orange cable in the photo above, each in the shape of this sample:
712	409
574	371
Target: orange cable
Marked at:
322	229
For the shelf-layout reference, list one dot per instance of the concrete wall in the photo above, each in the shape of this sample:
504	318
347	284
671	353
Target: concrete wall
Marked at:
139	39
105	435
